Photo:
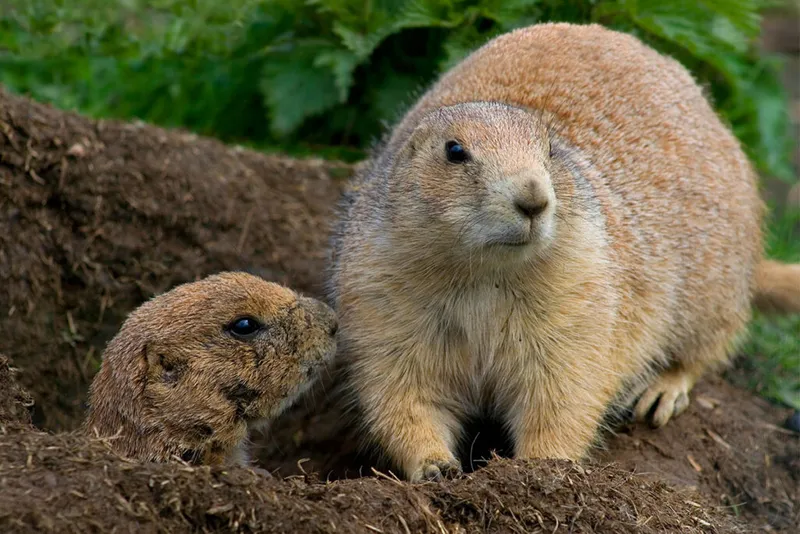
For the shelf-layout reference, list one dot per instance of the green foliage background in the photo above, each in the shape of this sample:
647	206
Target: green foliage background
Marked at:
327	75
772	366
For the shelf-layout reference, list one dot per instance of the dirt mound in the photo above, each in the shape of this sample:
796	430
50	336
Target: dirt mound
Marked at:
729	445
98	216
67	482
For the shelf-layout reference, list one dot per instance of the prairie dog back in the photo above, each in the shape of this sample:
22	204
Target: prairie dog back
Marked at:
560	223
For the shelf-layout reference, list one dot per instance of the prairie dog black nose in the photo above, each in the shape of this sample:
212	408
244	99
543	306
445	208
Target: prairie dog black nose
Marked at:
331	321
530	201
323	313
333	327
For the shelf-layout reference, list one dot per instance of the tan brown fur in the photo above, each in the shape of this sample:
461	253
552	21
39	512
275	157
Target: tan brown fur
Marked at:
175	381
638	272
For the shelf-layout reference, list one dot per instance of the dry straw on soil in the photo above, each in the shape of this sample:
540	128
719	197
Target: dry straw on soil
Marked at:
70	483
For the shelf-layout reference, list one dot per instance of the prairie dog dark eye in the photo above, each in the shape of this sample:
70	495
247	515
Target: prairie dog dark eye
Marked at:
244	327
455	152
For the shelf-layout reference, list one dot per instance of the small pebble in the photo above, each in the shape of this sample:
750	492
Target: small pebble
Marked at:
77	150
793	422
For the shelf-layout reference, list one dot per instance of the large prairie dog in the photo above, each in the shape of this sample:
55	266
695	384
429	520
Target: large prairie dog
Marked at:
193	370
560	224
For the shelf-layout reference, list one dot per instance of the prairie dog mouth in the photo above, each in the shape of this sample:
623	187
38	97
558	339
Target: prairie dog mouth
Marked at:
512	239
301	389
513	244
311	370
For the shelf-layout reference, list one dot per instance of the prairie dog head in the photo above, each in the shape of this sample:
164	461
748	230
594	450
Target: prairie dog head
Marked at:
477	177
193	369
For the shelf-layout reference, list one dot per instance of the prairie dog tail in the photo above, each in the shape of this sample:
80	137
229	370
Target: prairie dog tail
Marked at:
777	287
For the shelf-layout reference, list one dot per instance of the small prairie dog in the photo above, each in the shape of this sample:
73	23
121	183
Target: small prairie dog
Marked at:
560	226
194	369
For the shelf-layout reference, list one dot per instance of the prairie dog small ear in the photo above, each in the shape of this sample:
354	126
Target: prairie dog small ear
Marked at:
149	363
418	136
410	146
405	153
163	366
149	356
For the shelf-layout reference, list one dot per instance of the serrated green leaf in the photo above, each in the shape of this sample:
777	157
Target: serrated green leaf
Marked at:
361	45
341	63
294	89
510	12
724	31
427	14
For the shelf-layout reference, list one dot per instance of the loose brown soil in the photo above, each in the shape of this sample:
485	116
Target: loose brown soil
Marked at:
730	446
99	216
68	483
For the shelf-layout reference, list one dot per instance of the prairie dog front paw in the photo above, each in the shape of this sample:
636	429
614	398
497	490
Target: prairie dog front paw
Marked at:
436	469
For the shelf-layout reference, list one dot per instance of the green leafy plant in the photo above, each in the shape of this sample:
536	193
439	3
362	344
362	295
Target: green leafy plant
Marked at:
316	74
